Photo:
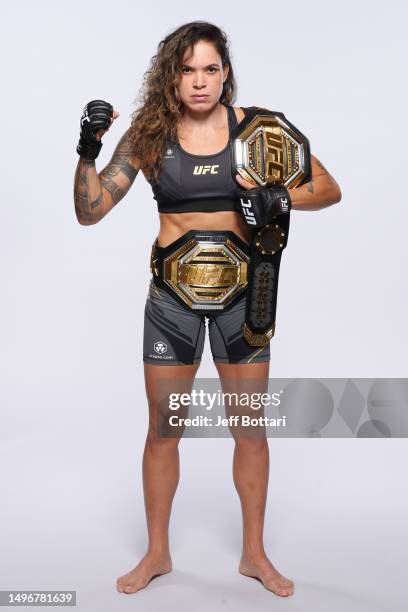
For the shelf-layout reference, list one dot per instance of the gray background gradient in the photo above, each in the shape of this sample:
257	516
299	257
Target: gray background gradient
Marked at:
73	408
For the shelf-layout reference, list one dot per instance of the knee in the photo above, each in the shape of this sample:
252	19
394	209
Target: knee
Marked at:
161	434
255	445
159	444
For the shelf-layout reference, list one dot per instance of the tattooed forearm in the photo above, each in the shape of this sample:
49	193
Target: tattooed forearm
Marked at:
114	189
310	187
96	194
98	201
81	191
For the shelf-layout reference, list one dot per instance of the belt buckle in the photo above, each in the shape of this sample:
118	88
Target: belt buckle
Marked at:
207	272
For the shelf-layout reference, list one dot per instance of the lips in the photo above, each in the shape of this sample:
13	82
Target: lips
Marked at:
202	97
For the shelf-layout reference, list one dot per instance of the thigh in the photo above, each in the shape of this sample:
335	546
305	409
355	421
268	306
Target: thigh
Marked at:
250	380
226	332
159	381
172	335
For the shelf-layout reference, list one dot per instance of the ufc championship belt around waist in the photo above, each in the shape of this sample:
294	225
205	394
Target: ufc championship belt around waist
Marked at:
204	270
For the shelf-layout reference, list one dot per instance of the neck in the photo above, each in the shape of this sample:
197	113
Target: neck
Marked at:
214	117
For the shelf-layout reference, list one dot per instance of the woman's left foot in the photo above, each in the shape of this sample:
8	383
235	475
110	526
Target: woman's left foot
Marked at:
260	567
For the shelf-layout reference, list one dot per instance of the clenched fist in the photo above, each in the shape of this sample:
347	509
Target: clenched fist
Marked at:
96	119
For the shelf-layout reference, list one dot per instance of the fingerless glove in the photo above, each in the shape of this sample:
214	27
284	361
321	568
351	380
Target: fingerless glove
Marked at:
260	206
96	116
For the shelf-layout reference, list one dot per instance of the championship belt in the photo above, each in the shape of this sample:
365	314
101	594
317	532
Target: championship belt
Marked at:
267	150
204	270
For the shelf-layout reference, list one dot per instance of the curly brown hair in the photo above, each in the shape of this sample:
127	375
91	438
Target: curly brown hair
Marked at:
155	121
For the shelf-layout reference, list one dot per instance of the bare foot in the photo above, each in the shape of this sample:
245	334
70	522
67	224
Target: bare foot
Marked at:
139	577
261	568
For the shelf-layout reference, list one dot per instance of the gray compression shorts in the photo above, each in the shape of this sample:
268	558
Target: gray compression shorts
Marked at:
174	335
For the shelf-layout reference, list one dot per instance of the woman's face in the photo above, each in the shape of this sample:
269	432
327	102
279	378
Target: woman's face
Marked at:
201	77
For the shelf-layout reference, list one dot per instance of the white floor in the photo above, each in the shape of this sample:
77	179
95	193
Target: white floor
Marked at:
72	514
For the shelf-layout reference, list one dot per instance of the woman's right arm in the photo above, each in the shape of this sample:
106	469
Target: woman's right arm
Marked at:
96	194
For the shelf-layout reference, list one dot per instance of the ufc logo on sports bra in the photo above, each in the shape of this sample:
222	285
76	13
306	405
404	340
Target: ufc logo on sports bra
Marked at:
206	169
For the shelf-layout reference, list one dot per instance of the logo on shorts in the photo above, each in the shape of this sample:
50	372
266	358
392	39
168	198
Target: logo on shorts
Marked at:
160	347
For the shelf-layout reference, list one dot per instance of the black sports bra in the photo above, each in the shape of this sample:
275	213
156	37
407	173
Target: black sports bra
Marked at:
193	183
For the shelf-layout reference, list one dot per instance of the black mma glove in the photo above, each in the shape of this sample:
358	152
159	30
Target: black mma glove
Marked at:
260	206
96	116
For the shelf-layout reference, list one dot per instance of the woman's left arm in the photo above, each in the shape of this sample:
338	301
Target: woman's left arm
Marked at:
321	191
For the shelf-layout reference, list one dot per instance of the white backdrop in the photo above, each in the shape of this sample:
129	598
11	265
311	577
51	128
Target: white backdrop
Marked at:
74	412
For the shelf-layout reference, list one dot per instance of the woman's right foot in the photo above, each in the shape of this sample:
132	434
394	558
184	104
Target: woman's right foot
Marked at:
138	578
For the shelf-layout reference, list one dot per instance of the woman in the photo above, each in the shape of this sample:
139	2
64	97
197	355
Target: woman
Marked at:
184	123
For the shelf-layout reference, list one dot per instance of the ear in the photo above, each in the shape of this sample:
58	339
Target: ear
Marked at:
225	71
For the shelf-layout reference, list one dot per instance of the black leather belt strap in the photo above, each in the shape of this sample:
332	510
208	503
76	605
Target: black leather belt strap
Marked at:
271	153
267	245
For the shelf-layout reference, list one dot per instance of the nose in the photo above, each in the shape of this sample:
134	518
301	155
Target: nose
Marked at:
199	81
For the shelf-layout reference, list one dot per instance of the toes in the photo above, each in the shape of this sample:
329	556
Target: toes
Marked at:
135	585
283	589
278	591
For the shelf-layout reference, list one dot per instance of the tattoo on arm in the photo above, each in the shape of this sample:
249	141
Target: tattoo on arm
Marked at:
319	163
98	201
310	187
114	189
81	190
119	163
128	170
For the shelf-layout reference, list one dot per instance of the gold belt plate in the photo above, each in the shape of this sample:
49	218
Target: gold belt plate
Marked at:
269	150
207	274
